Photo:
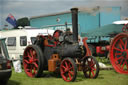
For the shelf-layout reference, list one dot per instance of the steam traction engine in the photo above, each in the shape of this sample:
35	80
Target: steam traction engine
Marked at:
60	53
119	51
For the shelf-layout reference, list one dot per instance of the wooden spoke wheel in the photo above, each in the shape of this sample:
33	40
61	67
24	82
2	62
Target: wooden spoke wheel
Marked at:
68	69
119	53
90	67
33	61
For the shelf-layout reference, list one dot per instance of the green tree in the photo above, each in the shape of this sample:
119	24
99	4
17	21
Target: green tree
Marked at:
22	22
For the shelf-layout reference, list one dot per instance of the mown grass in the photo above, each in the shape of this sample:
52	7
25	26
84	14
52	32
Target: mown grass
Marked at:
106	77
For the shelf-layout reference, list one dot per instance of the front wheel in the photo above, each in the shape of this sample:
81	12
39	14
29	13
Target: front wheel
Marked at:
90	67
68	69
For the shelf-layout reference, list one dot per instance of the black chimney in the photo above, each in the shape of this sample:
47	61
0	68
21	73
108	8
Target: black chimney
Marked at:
75	23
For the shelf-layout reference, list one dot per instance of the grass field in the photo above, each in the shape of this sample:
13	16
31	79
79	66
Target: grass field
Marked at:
106	77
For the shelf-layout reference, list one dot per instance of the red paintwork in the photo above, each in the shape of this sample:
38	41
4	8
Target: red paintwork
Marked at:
55	43
86	46
119	53
67	70
9	64
102	49
125	28
30	62
99	51
91	64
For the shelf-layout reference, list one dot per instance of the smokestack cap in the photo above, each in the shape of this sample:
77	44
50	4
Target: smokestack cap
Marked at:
74	9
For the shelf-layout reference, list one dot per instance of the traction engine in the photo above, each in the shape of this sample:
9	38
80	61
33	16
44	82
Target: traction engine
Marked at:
60	53
119	51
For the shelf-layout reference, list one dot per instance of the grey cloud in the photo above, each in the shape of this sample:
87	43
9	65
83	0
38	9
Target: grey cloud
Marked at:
21	8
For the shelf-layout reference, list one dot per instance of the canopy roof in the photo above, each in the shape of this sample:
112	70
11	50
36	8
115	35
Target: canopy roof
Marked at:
104	31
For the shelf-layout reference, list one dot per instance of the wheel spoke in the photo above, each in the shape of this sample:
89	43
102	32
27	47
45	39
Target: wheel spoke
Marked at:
93	68
117	49
70	68
93	73
92	64
69	76
120	46
28	55
117	54
123	64
65	77
26	61
116	59
127	55
28	70
121	42
71	73
63	72
125	47
35	60
31	52
66	64
63	67
35	64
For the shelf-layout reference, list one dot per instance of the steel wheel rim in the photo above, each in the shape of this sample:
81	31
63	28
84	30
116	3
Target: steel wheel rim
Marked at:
89	68
119	53
67	70
30	62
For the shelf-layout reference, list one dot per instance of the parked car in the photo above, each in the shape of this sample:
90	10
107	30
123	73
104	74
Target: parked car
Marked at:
5	64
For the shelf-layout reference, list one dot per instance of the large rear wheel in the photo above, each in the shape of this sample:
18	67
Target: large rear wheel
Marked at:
119	53
68	69
33	61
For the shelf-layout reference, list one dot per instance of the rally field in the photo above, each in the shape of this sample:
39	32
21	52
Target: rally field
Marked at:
106	77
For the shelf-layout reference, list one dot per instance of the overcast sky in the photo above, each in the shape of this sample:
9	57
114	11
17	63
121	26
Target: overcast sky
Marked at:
28	8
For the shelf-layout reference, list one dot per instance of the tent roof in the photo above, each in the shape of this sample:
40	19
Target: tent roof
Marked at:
106	30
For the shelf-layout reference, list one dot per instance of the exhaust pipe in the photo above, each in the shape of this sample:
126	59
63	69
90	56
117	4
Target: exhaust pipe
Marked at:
75	23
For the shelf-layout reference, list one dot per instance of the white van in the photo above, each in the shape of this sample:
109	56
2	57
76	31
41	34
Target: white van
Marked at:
17	40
